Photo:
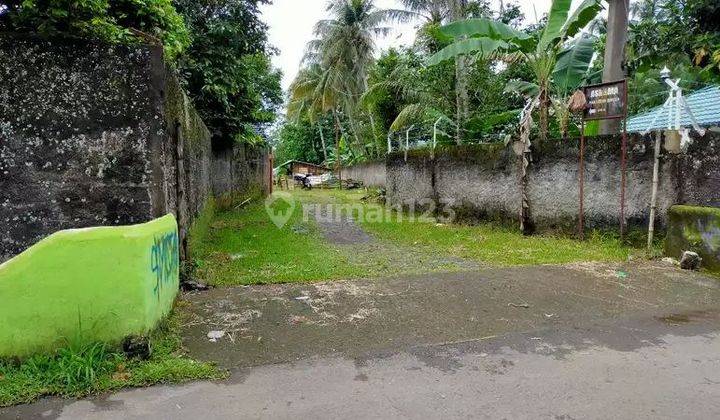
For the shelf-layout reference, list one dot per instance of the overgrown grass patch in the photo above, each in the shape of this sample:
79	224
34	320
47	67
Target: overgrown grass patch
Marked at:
86	369
243	246
494	245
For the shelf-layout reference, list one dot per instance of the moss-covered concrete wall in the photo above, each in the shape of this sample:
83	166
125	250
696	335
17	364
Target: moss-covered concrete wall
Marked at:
482	181
695	229
371	174
93	134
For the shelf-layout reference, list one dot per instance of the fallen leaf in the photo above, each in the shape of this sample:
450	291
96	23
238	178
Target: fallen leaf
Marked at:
121	376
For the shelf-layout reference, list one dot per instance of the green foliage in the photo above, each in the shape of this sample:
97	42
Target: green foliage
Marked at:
300	141
646	90
80	370
116	21
481	47
572	65
663	31
558	65
581	17
483	27
227	69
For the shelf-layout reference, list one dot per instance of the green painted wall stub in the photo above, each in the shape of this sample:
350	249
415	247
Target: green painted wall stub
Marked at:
694	229
95	284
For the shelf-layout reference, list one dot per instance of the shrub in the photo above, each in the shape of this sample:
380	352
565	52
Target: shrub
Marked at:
116	21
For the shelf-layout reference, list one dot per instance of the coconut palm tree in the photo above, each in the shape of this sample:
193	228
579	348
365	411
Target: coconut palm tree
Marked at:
345	47
551	57
434	12
310	98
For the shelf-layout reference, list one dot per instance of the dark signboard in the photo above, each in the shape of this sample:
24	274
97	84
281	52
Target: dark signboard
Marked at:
606	101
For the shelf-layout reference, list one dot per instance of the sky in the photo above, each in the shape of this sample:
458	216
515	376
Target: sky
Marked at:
292	22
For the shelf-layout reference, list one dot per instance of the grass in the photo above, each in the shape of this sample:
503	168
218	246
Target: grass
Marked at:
498	246
245	247
85	369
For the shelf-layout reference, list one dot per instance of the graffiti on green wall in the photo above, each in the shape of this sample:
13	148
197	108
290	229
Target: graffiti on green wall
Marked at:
164	260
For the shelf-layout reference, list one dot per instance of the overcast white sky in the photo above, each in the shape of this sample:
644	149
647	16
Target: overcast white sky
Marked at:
292	21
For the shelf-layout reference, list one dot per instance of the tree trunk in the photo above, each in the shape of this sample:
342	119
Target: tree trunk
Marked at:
322	141
617	29
544	108
338	164
375	137
358	142
462	98
653	198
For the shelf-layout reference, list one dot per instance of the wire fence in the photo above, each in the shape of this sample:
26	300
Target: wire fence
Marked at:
431	133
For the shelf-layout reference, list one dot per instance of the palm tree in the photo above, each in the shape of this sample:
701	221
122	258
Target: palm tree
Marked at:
314	94
431	11
309	97
553	60
550	57
434	12
421	105
345	47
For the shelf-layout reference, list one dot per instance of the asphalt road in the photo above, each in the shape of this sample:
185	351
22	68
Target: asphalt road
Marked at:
589	341
674	372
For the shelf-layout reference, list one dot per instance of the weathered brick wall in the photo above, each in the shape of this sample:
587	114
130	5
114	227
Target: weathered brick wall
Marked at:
92	134
483	181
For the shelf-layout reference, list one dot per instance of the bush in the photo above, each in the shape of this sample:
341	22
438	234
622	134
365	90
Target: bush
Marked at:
116	21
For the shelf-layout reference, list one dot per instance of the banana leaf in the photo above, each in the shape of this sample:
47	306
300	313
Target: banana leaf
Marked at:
555	24
483	27
584	14
481	46
522	87
572	64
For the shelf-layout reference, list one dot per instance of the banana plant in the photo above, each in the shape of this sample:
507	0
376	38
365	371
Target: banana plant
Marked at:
558	61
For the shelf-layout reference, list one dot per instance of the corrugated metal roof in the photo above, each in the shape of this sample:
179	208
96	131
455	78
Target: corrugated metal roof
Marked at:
704	104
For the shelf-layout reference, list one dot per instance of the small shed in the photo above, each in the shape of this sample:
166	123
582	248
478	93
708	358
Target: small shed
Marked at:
305	168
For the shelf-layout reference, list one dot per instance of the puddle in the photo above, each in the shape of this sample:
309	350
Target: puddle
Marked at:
687	317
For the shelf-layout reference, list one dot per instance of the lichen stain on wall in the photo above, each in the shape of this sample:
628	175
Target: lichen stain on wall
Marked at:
74	126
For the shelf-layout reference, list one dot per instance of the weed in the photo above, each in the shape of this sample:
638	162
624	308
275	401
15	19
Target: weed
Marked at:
84	369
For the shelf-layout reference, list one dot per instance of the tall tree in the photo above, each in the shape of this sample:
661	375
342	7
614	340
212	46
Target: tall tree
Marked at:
121	21
227	69
345	48
435	12
488	38
617	31
311	97
462	99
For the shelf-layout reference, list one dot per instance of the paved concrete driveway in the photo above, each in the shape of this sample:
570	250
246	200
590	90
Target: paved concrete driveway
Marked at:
577	341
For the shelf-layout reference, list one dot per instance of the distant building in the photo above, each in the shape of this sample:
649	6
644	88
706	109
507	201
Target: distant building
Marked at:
293	167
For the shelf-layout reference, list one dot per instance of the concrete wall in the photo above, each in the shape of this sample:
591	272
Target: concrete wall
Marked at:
483	181
87	285
371	174
241	170
92	134
695	229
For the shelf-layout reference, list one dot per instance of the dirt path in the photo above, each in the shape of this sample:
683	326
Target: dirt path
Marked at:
340	229
343	232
